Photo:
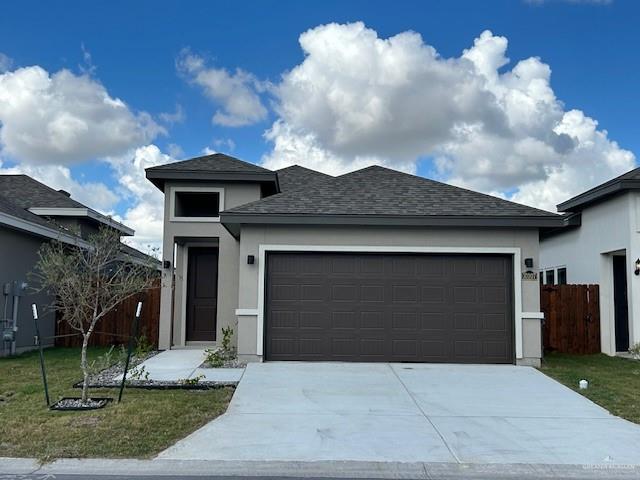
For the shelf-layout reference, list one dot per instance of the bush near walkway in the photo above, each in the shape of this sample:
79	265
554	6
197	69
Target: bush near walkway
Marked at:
614	383
145	423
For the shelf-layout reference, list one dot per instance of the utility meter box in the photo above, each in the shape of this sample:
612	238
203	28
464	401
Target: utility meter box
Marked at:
8	334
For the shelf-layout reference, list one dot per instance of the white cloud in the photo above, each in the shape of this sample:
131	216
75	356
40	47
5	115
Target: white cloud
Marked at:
62	118
175	150
145	214
176	117
358	99
236	93
5	62
225	143
93	194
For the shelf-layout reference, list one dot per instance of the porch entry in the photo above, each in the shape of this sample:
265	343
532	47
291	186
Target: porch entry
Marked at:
202	294
620	305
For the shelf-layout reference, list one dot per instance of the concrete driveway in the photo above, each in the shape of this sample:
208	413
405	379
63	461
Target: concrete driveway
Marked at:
409	413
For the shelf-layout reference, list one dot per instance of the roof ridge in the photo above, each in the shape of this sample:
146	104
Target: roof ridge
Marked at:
212	157
445	185
378	190
295	165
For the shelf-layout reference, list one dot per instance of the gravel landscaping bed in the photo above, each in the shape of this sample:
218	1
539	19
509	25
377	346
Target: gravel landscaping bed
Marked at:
231	363
109	378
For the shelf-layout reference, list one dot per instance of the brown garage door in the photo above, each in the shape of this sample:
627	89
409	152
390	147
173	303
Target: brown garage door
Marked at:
389	307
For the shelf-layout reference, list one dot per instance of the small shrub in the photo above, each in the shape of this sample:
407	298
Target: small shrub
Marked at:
215	357
191	381
143	346
227	333
634	350
139	373
103	361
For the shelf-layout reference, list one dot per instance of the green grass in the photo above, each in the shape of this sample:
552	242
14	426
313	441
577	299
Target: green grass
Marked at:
146	422
614	383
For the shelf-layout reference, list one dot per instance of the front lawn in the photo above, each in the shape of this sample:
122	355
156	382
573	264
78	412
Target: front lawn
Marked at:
614	383
146	422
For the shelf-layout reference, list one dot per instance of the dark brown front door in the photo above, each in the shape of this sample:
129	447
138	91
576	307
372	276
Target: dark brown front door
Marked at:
202	293
621	307
389	307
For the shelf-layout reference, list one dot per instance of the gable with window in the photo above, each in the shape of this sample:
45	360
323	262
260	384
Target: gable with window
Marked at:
196	204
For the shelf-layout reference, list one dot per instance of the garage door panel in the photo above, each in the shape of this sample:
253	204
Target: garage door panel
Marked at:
433	294
372	293
344	320
389	307
404	293
434	321
311	320
372	321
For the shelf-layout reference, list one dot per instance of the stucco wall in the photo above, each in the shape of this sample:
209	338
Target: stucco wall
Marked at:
607	228
181	234
19	256
253	236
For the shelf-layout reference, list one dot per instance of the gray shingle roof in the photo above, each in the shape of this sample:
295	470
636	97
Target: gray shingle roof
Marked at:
14	210
379	191
296	176
624	182
27	192
217	162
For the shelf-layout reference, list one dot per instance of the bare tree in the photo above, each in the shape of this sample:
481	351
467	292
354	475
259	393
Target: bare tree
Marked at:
88	281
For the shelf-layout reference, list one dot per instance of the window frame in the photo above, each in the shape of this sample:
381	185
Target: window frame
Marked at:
554	271
172	203
558	275
551	271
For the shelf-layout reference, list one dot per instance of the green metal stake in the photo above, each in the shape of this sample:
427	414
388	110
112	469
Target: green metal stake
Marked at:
34	310
134	333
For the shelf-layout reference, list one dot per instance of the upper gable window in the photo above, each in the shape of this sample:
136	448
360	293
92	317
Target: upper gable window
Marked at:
196	204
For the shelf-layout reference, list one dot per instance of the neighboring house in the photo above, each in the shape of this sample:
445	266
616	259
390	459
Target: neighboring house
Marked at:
32	213
600	244
373	265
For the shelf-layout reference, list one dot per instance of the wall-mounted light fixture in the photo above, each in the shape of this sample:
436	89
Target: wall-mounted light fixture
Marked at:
637	270
251	259
166	264
528	262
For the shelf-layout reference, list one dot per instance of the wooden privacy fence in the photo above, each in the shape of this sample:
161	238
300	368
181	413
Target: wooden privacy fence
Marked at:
115	327
572	318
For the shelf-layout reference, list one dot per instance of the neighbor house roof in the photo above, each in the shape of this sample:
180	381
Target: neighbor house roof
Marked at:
217	166
41	200
381	196
27	192
15	217
296	176
625	182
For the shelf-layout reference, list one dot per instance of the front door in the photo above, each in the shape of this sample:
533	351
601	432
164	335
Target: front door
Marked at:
621	308
202	294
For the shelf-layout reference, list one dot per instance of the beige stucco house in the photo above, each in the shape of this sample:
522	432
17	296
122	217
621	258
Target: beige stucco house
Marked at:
373	265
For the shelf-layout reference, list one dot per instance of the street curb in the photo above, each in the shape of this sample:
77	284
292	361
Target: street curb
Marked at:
333	469
18	466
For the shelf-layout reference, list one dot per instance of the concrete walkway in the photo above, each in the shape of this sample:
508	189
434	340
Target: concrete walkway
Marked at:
174	365
306	412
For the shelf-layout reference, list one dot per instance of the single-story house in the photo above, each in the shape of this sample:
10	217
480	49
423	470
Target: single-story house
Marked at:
372	265
600	244
32	213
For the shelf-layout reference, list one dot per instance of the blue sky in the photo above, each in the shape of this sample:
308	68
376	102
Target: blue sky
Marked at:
139	52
